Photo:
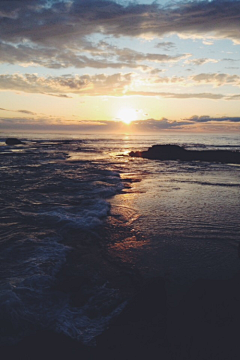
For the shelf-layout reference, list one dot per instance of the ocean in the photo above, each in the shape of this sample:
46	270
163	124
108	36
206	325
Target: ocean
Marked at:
83	224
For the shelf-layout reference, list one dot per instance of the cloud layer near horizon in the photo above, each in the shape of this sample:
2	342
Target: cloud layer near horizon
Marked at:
194	123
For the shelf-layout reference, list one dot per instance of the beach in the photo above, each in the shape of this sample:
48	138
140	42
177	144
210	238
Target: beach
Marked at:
106	254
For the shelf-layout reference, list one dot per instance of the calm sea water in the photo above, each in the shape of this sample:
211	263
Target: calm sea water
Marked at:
83	195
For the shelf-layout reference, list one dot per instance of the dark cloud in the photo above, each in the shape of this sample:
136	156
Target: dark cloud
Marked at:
26	112
156	125
206	119
11	9
219	18
217	79
59	95
20	111
166	45
53	33
201	61
155	71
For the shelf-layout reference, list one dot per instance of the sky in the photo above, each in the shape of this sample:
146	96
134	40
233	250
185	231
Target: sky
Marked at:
120	66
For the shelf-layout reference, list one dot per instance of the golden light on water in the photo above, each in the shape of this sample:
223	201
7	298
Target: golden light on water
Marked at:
127	115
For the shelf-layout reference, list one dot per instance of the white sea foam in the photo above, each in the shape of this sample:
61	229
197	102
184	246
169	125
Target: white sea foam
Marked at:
85	218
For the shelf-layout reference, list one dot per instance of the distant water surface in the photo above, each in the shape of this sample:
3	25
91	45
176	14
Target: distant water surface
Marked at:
180	220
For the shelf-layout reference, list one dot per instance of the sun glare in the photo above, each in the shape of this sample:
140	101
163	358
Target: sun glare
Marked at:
127	115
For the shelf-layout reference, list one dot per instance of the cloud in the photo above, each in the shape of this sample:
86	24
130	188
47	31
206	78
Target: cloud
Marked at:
155	71
53	124
201	61
232	68
19	111
110	85
231	60
189	124
54	58
156	125
54	33
128	56
194	123
59	124
207	119
217	79
234	97
100	84
26	112
166	45
178	96
208	42
59	95
219	18
100	55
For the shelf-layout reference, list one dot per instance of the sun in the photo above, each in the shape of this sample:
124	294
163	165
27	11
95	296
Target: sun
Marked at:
127	115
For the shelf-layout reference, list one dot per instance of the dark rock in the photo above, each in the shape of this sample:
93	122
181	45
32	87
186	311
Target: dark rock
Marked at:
175	152
13	141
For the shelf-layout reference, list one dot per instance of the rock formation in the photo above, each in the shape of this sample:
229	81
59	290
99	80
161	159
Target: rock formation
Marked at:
175	152
13	141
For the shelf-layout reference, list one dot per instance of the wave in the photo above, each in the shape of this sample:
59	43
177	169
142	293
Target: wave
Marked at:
47	201
208	183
